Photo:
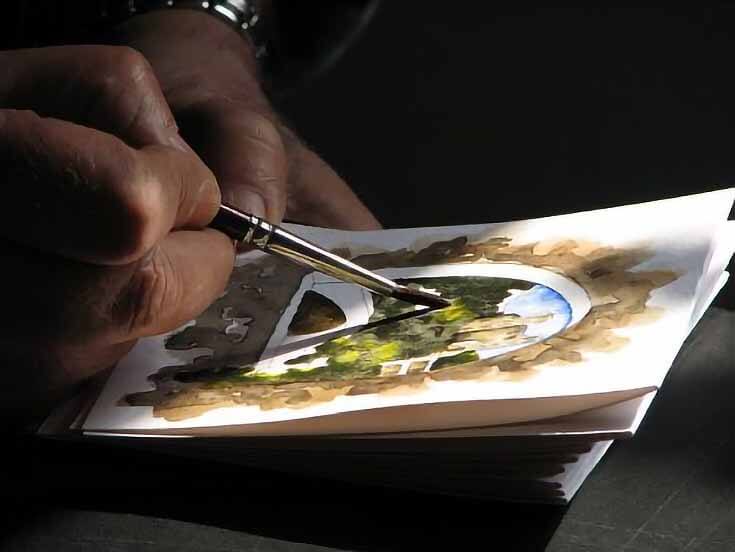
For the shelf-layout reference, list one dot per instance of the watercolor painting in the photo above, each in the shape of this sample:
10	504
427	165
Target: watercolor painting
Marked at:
285	337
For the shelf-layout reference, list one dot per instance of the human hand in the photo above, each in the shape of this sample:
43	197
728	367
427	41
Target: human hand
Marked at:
209	77
103	216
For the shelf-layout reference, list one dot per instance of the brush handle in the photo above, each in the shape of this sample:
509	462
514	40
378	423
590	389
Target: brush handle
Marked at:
252	230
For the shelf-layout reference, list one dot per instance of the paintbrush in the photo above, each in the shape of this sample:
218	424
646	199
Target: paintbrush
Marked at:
252	230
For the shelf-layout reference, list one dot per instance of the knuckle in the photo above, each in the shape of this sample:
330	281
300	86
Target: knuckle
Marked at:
124	93
137	206
121	80
121	67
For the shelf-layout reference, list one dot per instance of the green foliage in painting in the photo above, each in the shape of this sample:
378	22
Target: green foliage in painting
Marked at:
460	358
362	355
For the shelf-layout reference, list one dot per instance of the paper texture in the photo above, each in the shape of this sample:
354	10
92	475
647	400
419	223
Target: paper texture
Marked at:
586	304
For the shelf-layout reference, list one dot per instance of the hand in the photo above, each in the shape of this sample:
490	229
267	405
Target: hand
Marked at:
209	77
101	224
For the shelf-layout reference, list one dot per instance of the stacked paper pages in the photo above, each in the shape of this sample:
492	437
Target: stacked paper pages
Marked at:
559	334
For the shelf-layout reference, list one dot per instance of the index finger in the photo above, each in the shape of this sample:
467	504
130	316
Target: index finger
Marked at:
110	88
86	195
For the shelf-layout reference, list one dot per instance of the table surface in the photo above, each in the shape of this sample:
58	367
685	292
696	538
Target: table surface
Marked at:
519	115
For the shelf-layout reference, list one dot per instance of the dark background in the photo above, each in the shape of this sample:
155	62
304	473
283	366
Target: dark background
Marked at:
449	113
465	113
457	114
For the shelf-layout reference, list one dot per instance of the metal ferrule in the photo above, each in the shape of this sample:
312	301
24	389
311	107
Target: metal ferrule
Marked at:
252	230
286	244
260	233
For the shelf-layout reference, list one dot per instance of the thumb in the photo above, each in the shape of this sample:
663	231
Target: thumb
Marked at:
243	148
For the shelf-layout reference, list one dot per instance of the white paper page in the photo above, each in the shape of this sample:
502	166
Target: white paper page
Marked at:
620	420
629	415
575	474
722	252
676	234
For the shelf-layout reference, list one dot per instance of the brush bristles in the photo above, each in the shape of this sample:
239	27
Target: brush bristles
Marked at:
417	297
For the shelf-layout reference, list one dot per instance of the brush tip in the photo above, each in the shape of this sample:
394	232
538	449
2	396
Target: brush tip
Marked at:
417	297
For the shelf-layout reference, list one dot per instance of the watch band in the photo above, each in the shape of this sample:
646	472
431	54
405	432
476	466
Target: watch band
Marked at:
241	15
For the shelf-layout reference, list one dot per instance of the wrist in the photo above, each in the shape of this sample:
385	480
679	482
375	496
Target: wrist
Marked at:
192	52
184	30
243	16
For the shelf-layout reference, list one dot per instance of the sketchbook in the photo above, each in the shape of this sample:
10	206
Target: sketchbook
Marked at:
559	333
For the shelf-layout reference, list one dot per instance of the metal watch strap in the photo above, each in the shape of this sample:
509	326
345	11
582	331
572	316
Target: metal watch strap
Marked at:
241	15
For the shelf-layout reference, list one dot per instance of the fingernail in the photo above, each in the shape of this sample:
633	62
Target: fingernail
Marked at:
250	202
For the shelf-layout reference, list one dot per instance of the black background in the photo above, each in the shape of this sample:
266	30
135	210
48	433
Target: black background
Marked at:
448	113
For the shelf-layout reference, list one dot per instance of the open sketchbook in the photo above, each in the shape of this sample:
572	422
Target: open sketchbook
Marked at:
560	332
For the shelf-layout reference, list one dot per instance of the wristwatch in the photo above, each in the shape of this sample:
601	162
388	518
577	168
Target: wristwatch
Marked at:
241	15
